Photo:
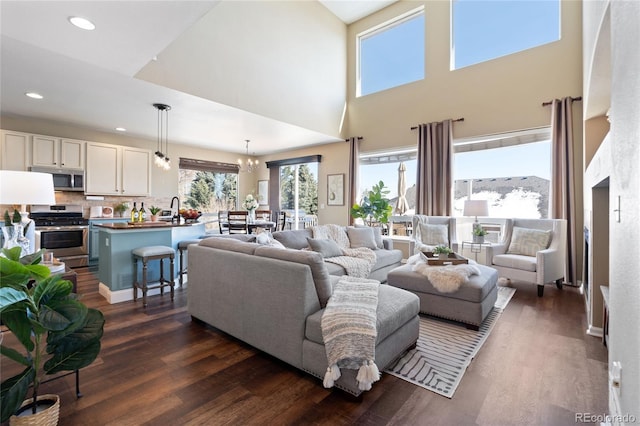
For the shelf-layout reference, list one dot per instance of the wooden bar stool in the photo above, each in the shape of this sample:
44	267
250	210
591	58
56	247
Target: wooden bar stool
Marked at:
182	247
147	254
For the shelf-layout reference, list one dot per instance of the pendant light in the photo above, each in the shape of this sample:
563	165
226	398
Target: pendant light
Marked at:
162	159
250	164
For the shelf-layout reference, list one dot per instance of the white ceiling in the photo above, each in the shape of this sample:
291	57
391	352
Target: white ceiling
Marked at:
87	77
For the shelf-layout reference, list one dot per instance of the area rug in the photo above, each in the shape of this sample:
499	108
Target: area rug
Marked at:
445	350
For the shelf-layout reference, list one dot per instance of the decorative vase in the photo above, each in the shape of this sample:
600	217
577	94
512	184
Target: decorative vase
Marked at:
443	255
47	412
252	216
479	239
14	237
154	218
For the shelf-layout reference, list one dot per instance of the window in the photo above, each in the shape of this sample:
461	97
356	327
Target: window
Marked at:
385	167
485	30
299	192
208	187
511	171
391	54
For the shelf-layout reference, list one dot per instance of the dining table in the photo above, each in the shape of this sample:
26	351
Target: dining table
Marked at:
261	223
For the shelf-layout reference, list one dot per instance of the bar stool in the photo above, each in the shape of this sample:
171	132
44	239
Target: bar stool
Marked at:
147	254
182	247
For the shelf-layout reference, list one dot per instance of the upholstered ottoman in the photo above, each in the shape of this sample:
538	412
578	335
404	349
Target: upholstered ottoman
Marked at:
470	304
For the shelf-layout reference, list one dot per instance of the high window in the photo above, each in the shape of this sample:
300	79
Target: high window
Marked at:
208	187
512	171
391	54
484	30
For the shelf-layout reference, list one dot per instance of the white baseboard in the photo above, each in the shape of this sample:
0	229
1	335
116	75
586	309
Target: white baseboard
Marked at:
125	295
594	331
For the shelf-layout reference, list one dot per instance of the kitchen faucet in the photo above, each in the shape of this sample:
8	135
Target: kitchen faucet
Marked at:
177	215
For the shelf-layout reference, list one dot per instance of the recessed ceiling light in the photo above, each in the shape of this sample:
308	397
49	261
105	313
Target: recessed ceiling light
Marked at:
34	95
121	129
83	23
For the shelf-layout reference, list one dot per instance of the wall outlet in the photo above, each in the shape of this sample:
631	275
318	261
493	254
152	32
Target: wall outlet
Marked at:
615	376
106	241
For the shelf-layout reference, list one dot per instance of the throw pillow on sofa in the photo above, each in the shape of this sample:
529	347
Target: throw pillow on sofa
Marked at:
434	235
266	239
327	248
362	237
527	242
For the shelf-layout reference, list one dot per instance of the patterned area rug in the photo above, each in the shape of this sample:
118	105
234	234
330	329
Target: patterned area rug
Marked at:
445	350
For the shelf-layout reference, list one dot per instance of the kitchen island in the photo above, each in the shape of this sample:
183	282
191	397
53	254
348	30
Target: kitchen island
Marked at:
115	263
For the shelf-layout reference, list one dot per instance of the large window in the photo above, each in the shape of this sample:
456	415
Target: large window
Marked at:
208	187
391	54
511	171
388	167
483	30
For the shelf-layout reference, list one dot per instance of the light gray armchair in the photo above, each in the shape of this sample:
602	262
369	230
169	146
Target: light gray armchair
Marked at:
524	255
427	241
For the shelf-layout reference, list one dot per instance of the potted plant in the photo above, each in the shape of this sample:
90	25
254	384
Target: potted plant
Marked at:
121	208
374	208
478	234
442	252
154	213
57	332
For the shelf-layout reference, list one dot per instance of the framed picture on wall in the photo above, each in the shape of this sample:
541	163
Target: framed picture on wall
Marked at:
263	192
335	190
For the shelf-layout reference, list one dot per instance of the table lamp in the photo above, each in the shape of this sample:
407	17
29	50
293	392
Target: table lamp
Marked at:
476	208
26	188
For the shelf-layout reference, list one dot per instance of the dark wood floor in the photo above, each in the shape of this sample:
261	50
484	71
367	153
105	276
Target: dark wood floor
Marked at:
157	367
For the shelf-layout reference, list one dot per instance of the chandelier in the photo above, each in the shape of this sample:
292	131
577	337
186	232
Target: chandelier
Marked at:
162	159
251	164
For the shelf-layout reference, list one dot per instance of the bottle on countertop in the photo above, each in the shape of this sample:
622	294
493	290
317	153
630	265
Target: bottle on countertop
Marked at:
142	214
134	213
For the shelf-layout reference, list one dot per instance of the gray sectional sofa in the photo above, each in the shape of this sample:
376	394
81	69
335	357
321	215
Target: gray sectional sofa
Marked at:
273	299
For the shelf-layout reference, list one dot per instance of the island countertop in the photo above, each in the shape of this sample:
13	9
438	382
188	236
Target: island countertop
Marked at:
143	225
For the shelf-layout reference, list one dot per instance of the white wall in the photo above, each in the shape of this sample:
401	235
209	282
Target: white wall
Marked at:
624	330
281	59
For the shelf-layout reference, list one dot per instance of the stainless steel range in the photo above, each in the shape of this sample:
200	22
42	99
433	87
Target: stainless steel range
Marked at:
63	230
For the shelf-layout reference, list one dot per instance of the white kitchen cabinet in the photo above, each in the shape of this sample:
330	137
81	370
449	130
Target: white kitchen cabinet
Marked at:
15	150
50	151
118	170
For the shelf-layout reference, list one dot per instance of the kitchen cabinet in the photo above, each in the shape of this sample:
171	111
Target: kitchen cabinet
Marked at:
117	170
15	150
50	151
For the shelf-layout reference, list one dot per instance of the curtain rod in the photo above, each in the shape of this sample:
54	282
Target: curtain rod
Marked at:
579	98
457	119
358	137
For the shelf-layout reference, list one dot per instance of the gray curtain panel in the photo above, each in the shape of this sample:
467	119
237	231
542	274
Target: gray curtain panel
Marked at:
435	169
563	205
354	158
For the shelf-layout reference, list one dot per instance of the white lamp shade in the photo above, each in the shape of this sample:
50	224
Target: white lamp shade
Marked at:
26	188
476	208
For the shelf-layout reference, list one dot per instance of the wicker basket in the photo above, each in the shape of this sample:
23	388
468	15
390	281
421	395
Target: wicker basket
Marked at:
47	417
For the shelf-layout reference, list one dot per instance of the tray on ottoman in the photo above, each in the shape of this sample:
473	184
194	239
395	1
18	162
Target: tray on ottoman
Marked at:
453	259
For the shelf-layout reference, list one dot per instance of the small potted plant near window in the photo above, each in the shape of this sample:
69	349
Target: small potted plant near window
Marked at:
154	213
57	333
442	252
478	234
374	207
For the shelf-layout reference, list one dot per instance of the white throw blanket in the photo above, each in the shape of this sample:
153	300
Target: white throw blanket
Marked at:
349	331
445	279
358	262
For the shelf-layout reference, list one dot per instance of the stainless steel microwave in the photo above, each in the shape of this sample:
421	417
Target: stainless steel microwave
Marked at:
64	179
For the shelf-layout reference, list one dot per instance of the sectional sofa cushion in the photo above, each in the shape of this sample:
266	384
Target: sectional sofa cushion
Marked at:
527	242
362	237
230	244
395	308
294	239
321	278
327	248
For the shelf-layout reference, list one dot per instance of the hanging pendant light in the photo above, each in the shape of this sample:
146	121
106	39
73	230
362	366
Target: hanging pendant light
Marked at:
250	164
162	159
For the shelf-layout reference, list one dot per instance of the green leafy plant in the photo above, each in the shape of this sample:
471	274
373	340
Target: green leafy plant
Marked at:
374	206
479	231
154	210
58	332
442	250
121	208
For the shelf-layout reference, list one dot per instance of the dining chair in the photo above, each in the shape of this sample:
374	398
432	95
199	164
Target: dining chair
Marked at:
263	213
223	221
280	220
238	222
